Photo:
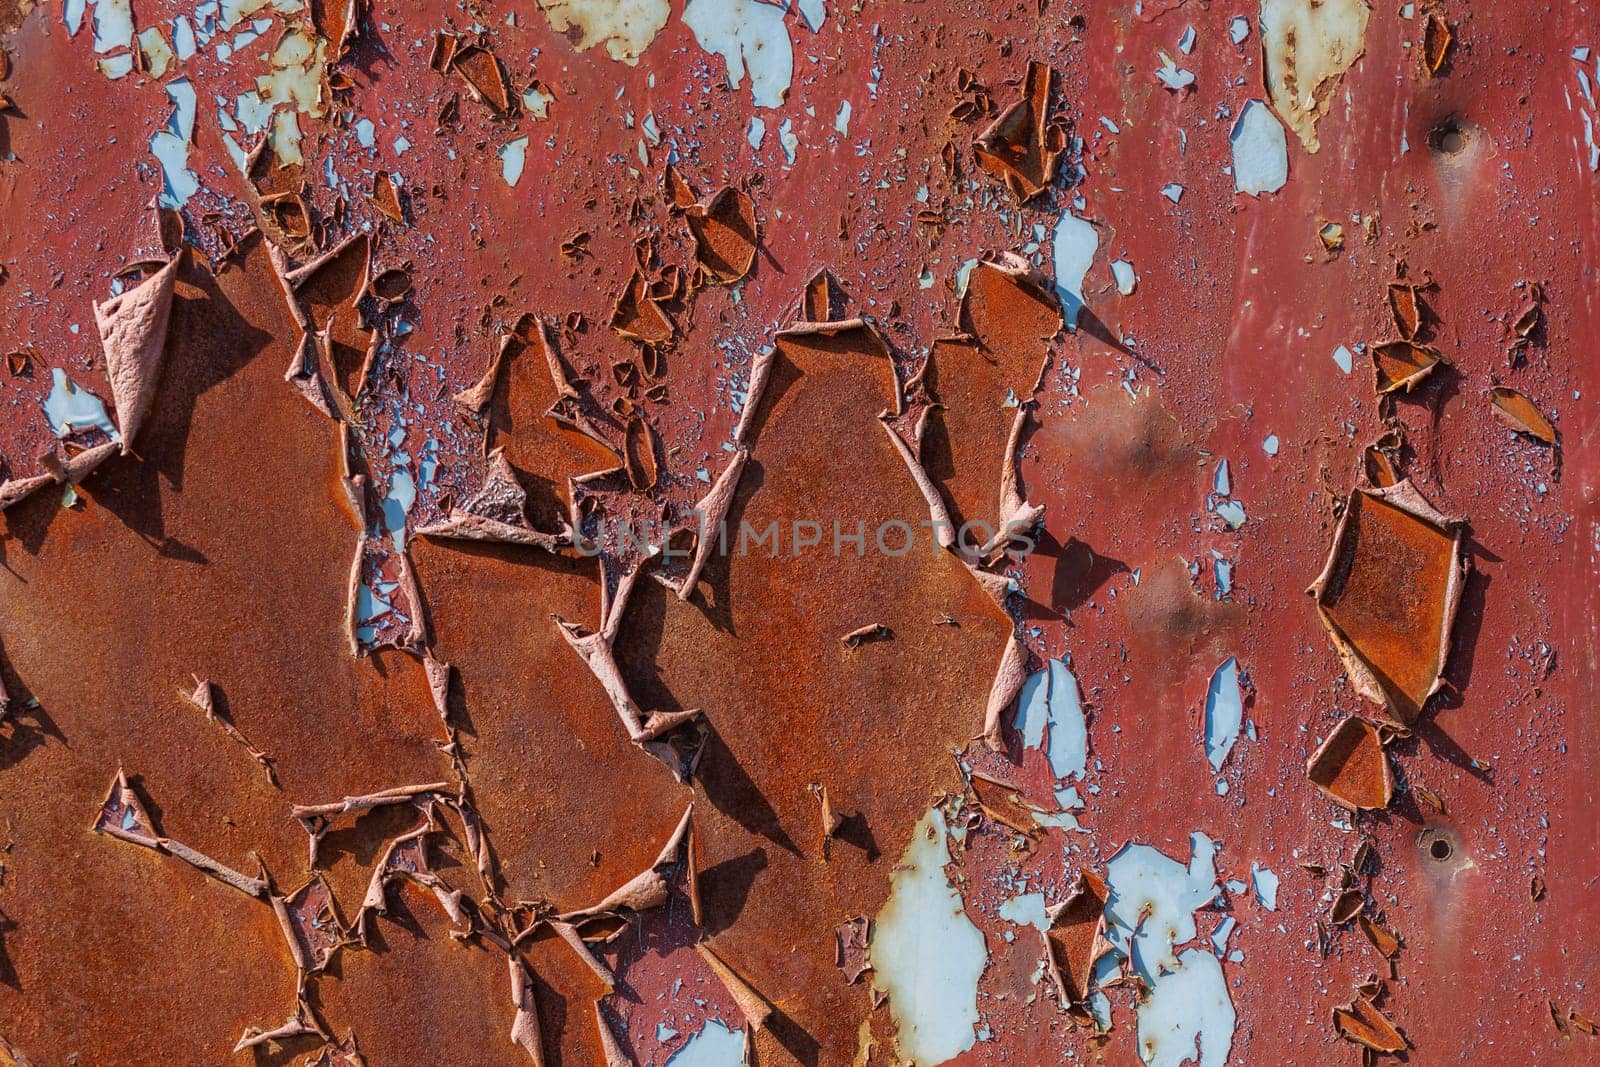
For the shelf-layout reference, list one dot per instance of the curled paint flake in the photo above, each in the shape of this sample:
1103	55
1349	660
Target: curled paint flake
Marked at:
204	697
1361	1023
302	1023
1075	938
1023	147
1389	592
647	730
1521	414
1351	768
751	1004
122	815
525	1024
133	334
310	923
725	235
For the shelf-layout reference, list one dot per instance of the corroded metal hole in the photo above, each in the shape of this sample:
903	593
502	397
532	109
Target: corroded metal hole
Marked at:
1450	136
1440	849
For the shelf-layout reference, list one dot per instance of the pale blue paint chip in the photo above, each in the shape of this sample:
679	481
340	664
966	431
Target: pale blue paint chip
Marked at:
1026	909
1224	712
1260	150
1264	884
714	1046
71	408
1073	246
1050	718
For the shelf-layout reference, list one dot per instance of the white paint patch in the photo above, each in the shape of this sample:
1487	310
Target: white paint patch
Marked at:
841	121
926	955
1308	45
70	408
1219	936
183	37
814	12
1224	712
714	1046
513	156
1126	279
1050	717
1341	356
752	37
1189	1006
294	82
1073	247
117	66
625	27
1260	150
1270	445
171	147
252	111
158	57
757	132
1173	76
285	138
397	504
236	11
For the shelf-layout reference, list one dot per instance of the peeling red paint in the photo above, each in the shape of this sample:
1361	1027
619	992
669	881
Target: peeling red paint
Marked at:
390	414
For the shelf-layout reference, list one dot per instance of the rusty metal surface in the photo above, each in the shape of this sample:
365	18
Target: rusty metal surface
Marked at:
1014	533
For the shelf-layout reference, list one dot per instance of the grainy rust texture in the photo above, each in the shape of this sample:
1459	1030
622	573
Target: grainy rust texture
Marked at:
709	532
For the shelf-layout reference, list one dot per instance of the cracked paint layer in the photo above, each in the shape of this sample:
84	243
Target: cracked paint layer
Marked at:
542	526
